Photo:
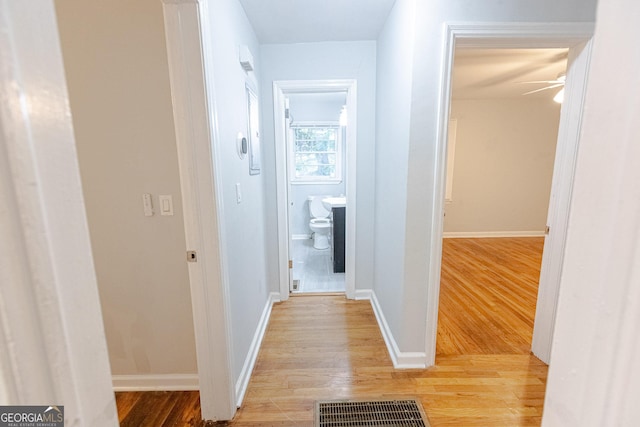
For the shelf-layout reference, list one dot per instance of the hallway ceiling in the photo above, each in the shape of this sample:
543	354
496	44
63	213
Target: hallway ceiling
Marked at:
477	73
500	73
304	21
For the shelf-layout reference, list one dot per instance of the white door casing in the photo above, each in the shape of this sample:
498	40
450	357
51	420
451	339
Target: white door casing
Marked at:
52	337
280	90
576	37
194	110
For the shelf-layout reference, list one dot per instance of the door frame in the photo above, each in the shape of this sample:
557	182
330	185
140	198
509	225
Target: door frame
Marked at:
280	89
191	73
52	337
577	37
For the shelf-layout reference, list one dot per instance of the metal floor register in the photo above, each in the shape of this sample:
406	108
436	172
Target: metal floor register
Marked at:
374	413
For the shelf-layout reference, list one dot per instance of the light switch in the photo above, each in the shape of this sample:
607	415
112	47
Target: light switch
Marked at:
238	193
166	204
147	204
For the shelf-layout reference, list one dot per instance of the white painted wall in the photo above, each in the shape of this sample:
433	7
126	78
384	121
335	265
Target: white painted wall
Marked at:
505	150
393	107
243	223
321	61
305	108
116	66
402	286
594	377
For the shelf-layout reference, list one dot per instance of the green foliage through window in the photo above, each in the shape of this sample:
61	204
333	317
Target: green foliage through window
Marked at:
315	152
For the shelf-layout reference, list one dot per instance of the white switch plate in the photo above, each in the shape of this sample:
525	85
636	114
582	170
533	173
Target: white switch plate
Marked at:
147	204
238	193
166	204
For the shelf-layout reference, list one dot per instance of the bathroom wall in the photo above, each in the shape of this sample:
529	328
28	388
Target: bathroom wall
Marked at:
305	108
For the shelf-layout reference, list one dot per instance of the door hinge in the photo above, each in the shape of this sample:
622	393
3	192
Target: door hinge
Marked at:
192	256
290	263
546	230
286	113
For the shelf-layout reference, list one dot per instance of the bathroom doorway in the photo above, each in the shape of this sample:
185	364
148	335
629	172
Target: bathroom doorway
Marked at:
315	147
316	171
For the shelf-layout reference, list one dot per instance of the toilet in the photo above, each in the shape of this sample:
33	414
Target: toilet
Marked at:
320	223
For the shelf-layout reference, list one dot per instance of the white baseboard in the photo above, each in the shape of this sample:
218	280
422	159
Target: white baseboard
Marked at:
250	361
401	360
301	237
361	294
162	382
481	234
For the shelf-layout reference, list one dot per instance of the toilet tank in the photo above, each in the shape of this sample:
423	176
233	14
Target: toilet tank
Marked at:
316	208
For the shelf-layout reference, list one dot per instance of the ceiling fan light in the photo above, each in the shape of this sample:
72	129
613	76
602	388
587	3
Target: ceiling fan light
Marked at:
559	96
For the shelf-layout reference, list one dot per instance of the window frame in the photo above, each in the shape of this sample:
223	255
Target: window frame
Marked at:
292	154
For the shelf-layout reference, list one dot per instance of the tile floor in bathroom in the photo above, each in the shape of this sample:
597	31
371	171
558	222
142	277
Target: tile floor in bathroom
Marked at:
314	269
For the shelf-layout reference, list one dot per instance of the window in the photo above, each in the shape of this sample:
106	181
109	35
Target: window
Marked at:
316	152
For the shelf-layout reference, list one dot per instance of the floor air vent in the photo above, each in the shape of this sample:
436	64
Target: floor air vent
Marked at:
378	413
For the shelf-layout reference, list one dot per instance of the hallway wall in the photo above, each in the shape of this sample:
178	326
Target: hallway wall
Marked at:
117	73
412	180
241	223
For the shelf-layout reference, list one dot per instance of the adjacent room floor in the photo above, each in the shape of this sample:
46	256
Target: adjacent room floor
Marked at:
327	347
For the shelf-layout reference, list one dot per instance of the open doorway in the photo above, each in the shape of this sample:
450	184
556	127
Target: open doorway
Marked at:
501	148
315	134
316	170
578	39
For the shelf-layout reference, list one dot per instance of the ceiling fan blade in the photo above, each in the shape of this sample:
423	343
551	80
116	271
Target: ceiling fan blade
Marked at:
541	81
544	88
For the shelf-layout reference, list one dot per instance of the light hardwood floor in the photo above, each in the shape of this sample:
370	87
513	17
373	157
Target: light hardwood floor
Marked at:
327	347
496	282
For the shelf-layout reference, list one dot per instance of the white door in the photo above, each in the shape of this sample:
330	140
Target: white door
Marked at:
558	216
288	139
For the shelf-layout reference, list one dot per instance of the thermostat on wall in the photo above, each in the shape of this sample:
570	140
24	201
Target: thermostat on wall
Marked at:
241	145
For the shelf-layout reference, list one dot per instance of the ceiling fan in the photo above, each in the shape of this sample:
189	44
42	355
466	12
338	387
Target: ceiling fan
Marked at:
551	84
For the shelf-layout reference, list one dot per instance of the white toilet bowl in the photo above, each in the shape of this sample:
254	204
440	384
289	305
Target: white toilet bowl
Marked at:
320	223
321	227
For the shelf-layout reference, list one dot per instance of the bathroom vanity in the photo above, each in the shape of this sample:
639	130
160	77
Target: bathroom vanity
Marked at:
338	207
338	238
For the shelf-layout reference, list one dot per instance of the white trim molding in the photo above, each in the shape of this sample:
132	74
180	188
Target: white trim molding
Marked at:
400	359
301	237
560	200
503	35
161	382
52	336
252	355
486	234
194	112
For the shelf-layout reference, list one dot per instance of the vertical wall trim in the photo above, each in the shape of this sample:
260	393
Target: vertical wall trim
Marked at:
52	337
559	204
190	72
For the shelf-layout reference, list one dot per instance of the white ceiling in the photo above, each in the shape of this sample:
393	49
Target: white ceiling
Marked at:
477	73
500	73
304	21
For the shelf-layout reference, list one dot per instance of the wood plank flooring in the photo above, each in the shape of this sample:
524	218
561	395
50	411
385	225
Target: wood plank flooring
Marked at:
327	347
159	408
488	293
